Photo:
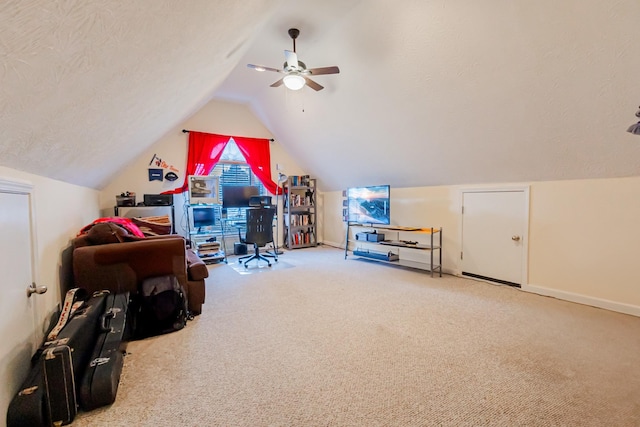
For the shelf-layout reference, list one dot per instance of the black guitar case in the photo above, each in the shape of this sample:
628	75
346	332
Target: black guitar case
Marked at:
27	408
37	401
99	383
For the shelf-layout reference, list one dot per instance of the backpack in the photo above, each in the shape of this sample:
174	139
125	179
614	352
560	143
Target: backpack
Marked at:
160	307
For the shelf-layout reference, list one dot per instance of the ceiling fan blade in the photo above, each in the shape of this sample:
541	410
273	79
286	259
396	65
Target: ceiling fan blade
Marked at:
278	83
263	68
292	59
313	85
323	70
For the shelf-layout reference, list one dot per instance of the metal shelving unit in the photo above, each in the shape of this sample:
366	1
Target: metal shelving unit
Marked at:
398	251
299	222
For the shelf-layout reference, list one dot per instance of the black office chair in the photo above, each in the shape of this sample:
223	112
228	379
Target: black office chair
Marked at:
259	233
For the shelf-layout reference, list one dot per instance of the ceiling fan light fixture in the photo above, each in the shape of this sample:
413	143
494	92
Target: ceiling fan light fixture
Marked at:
294	81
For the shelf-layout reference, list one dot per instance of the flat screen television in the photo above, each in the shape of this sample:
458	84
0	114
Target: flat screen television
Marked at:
238	196
369	205
203	216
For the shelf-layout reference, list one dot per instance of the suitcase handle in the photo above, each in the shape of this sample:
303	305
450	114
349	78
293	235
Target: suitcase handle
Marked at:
106	318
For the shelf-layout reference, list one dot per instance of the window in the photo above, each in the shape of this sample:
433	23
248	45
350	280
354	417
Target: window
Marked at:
232	169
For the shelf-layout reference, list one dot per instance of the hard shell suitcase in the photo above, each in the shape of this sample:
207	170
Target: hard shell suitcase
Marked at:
59	385
99	384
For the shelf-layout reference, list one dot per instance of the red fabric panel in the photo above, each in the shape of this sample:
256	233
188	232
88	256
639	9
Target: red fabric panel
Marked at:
258	155
205	150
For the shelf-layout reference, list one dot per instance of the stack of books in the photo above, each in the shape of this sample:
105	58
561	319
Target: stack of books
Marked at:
210	251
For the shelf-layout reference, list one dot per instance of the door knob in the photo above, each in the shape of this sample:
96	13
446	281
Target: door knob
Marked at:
515	238
33	289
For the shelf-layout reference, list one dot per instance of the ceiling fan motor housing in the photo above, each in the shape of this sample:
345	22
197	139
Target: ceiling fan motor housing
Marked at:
294	33
301	67
296	72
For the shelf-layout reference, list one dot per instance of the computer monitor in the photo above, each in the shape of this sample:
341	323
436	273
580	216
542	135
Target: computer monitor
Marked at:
238	196
203	216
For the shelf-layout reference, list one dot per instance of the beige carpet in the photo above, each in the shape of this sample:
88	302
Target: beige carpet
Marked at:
329	342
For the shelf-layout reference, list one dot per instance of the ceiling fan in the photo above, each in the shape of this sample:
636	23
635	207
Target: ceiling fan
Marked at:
296	73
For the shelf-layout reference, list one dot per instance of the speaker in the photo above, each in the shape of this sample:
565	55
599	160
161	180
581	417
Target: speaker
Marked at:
239	248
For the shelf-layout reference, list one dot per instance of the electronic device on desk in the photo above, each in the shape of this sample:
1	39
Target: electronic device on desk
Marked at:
369	205
370	236
238	196
257	201
158	199
202	216
203	189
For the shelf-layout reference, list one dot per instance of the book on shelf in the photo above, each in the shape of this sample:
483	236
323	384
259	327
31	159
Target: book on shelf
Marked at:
297	200
303	238
208	251
300	180
208	245
297	220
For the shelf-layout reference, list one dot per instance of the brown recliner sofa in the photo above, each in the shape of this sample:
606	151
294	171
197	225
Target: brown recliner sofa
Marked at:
108	257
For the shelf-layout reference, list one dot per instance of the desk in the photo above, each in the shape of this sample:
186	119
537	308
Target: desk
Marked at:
239	223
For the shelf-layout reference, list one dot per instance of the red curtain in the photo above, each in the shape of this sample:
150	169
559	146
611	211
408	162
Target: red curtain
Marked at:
258	155
205	150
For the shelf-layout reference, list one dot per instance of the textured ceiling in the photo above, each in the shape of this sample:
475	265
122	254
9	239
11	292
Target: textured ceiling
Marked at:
87	85
430	92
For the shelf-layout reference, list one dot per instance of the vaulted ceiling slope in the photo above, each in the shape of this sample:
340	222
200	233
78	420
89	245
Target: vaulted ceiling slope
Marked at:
88	85
430	92
453	92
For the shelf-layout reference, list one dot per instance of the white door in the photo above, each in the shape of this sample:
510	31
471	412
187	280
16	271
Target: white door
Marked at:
18	311
494	234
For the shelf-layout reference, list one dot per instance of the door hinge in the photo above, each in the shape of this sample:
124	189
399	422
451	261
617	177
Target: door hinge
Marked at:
463	210
461	255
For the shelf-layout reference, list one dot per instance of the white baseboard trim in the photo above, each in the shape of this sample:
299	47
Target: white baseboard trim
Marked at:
333	244
633	310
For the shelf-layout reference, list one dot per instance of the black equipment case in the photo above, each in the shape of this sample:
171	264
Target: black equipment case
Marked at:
99	384
36	402
59	385
27	408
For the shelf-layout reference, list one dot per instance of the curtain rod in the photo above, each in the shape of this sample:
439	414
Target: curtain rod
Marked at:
187	131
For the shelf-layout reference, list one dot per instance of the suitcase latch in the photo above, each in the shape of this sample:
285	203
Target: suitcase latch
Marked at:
28	391
99	361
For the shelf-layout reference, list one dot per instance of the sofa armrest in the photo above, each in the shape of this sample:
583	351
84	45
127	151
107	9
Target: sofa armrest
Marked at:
196	268
121	267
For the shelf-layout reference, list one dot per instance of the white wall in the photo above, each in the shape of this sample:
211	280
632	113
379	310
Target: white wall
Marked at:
61	209
216	117
583	235
583	241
